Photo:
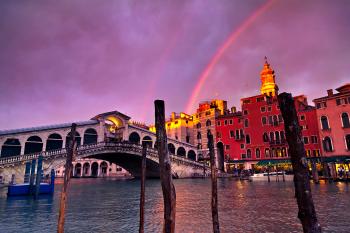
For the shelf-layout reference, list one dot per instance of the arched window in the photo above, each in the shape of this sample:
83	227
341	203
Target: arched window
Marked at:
277	136
345	120
327	144
284	152
181	151
283	138
265	137
257	153
54	142
199	135
247	139
134	138
86	169
11	147
275	120
272	137
171	148
34	144
208	123
347	141
324	123
278	152
90	136
246	123
147	140
191	155
273	153
77	138
264	121
267	153
199	125
249	153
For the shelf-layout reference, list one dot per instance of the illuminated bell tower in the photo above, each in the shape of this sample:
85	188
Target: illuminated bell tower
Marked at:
268	84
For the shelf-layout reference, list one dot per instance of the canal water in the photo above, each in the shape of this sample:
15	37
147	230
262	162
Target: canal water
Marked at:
106	205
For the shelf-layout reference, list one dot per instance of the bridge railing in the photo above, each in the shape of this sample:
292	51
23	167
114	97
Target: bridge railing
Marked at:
83	149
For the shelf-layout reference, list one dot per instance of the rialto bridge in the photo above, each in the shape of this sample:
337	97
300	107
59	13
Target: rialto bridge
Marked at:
109	136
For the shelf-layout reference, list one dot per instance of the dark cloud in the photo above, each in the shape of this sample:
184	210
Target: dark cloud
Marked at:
62	61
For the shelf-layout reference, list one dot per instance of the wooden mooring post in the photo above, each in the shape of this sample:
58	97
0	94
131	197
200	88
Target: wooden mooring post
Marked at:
169	194
32	177
38	177
314	172
72	147
307	212
142	194
214	184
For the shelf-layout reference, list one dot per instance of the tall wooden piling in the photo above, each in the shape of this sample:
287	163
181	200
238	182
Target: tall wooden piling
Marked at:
32	176
142	194
214	184
38	177
27	173
314	172
72	147
325	171
169	194
307	213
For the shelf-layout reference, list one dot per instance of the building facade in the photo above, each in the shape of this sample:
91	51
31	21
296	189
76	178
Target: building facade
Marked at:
257	133
333	113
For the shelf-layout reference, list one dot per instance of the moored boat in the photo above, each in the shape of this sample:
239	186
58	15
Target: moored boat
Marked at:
273	176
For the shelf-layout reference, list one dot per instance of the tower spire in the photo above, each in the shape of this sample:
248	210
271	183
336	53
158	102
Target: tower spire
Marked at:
268	84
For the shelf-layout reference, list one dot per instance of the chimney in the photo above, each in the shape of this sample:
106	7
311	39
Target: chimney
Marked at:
330	92
173	115
233	109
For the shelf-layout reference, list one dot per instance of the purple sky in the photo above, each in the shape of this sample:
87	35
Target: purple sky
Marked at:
63	61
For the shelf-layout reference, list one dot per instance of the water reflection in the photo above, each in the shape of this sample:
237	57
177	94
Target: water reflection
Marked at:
97	205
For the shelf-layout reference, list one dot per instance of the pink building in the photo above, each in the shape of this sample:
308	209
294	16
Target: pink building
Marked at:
333	113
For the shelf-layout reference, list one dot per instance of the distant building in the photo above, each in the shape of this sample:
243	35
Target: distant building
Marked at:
333	113
230	135
203	120
178	127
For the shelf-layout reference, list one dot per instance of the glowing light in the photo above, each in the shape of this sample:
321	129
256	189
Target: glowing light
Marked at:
231	39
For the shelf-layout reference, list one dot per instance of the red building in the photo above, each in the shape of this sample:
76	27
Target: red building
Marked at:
261	130
333	113
229	135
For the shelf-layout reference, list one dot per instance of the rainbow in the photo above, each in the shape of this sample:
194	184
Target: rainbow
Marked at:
222	49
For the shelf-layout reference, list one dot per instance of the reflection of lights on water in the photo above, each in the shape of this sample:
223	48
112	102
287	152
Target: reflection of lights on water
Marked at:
341	186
